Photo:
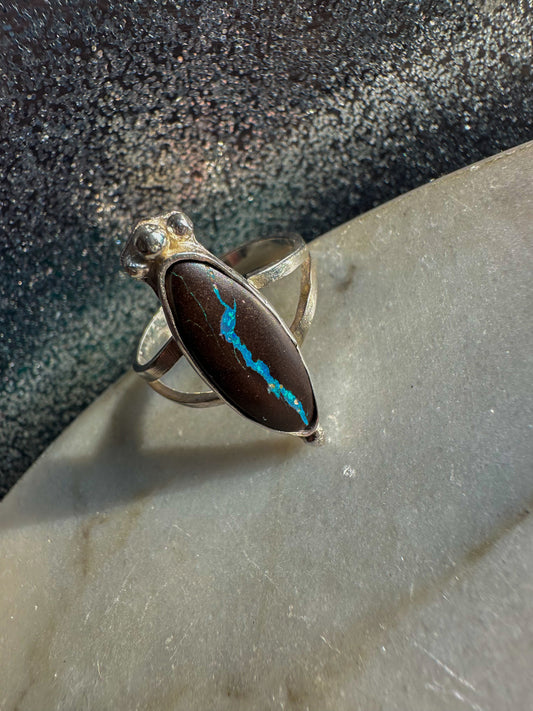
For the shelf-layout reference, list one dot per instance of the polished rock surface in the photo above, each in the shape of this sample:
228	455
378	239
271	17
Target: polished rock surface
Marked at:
249	357
161	558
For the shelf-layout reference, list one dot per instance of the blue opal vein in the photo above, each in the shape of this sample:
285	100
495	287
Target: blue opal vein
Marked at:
227	331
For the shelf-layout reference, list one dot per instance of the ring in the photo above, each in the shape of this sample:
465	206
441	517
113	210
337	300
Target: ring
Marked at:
213	314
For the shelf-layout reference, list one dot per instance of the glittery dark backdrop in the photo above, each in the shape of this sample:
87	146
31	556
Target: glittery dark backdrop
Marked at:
252	116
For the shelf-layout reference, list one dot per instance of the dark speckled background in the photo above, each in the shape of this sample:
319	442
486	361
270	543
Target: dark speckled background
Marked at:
252	116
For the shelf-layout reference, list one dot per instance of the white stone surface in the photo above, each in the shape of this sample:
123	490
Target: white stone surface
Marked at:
161	558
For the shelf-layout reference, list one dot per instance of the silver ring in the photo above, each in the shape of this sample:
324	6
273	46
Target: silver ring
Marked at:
197	319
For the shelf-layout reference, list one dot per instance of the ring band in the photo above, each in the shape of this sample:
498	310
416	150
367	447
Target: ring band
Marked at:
215	316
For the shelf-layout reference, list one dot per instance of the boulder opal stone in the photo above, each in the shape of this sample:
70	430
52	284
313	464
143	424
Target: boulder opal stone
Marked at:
240	347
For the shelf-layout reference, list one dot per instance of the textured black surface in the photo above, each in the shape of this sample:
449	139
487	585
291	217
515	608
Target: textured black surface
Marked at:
251	116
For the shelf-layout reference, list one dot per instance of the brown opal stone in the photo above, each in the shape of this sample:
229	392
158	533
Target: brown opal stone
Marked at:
240	347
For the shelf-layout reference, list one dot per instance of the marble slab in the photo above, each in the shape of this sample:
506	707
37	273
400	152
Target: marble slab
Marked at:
157	557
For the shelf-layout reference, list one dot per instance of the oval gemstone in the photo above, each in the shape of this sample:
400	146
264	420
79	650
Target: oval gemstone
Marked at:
240	347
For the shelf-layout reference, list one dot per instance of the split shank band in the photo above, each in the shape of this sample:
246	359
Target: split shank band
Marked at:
221	297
